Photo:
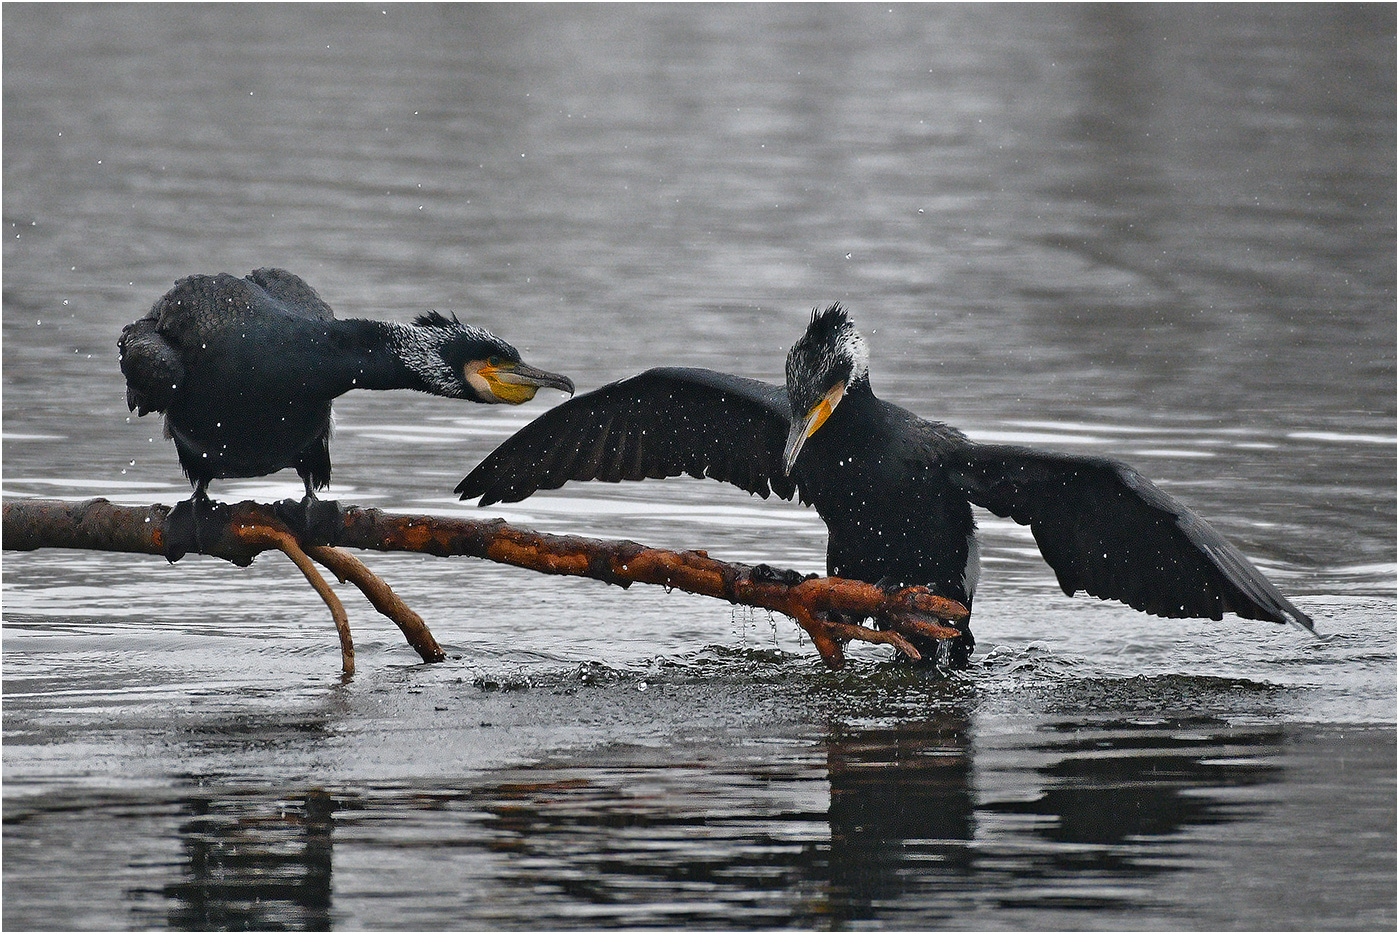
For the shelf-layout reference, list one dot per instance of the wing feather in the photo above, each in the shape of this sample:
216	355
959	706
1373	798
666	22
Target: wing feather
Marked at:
1107	530
661	423
292	293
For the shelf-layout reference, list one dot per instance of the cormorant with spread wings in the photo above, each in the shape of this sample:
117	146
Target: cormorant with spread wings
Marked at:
895	491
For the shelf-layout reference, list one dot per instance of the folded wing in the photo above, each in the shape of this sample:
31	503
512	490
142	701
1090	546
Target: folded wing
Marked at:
291	292
661	423
1107	530
195	311
152	366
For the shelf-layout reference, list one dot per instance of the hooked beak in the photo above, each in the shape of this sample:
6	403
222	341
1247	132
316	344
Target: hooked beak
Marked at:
518	382
805	428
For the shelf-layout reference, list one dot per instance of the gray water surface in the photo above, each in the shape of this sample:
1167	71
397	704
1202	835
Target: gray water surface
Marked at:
1164	234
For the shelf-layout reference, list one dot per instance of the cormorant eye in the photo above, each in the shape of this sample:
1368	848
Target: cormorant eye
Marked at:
493	361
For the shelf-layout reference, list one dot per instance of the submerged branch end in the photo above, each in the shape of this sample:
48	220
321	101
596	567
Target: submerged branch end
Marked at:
347	567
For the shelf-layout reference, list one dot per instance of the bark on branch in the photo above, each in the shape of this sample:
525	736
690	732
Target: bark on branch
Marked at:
821	606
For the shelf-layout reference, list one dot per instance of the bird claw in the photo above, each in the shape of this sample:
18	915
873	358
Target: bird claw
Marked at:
891	585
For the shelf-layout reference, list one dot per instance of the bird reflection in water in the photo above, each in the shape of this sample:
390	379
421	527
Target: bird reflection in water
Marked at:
915	830
254	862
901	803
1114	792
902	821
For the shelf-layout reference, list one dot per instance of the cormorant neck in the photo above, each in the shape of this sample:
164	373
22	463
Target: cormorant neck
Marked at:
388	355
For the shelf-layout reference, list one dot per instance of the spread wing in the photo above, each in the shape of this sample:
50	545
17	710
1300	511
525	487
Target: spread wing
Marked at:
660	423
1107	530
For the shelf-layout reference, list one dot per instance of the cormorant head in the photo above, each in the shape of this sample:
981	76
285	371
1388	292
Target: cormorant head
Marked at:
824	362
467	362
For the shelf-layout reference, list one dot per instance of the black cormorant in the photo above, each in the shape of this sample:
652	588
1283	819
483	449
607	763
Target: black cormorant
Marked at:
245	371
895	491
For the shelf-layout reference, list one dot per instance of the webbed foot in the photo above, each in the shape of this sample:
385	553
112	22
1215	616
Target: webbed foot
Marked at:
946	653
313	521
767	574
194	525
955	653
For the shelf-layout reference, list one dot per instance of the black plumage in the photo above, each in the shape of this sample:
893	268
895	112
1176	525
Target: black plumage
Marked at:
894	490
245	370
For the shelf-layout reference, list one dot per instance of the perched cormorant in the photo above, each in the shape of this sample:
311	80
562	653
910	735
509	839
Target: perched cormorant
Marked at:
245	371
895	491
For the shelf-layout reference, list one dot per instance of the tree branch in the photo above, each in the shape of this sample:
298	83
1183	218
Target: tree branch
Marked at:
254	527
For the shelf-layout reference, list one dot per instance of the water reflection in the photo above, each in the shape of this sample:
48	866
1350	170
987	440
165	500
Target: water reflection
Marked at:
901	813
891	822
1109	787
1113	795
747	845
254	863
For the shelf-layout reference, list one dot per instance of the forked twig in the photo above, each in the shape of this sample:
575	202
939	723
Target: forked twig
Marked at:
287	544
346	566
